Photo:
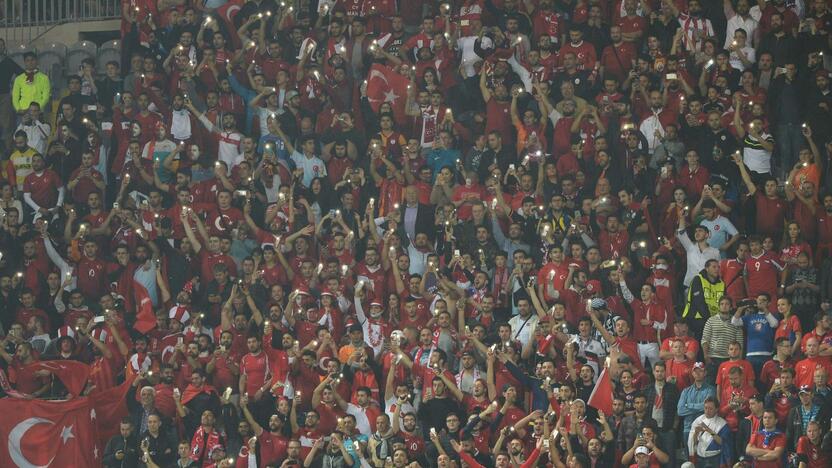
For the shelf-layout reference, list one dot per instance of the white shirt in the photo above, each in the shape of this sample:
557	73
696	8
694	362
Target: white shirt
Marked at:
362	421
390	407
648	128
312	167
522	329
735	61
700	445
696	258
749	25
469	57
37	135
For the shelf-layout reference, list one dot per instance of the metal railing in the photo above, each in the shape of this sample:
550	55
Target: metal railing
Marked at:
22	21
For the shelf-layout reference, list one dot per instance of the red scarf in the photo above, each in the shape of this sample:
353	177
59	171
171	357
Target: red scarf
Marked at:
192	392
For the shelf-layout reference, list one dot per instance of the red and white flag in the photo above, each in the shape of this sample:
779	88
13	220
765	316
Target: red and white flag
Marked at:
601	397
39	433
145	318
73	374
386	85
109	407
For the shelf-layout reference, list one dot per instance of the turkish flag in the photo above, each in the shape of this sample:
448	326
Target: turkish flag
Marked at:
43	433
145	318
601	397
386	85
109	407
73	374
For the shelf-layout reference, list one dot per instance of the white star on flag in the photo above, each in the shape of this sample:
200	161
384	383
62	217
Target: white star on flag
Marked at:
66	433
92	413
390	96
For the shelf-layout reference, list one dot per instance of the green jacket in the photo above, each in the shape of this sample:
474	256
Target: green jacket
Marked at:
24	93
703	298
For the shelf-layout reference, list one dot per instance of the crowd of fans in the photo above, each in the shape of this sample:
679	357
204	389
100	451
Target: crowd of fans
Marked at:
294	272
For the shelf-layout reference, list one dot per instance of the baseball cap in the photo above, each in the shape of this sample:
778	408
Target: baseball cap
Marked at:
699	365
805	389
355	327
290	94
642	450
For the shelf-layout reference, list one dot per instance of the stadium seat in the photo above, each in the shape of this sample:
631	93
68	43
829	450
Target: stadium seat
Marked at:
77	53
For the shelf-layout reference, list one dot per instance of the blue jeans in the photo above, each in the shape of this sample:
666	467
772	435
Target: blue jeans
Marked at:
789	141
757	363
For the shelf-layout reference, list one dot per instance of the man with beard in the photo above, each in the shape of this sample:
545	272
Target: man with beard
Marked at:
309	432
185	360
197	400
695	27
273	444
617	58
42	189
254	368
223	367
206	439
165	403
23	378
20	159
227	137
497	101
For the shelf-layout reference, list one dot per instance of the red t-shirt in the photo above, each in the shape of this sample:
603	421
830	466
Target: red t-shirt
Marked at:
255	368
758	441
773	212
813	455
272	448
762	273
43	188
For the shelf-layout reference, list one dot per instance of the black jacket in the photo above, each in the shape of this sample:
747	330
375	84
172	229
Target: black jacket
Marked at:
118	444
670	399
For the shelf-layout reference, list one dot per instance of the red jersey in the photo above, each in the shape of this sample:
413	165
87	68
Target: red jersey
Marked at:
629	346
617	60
805	370
681	370
655	313
209	259
730	270
762	273
92	277
43	188
255	367
584	52
759	440
732	416
773	212
811	453
273	448
725	368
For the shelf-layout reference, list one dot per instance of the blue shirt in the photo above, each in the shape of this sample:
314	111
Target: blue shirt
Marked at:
692	403
759	335
439	158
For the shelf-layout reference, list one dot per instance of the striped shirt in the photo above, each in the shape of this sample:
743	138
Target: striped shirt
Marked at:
755	157
719	333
